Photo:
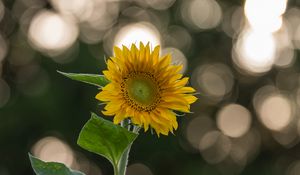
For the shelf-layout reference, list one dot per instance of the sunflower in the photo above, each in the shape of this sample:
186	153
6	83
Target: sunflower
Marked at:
146	88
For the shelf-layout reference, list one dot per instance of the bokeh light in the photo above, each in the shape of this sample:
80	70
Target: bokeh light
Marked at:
138	169
160	5
52	33
287	137
178	37
242	57
136	33
285	49
274	109
213	80
262	17
237	21
245	148
255	51
80	9
98	17
215	147
52	149
234	120
286	58
258	46
201	14
177	57
197	128
85	165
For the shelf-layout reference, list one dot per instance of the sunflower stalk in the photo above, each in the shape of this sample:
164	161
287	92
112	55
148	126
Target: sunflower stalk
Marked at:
120	169
122	166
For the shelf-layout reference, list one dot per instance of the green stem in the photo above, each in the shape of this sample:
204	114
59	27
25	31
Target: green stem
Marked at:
120	168
116	172
123	162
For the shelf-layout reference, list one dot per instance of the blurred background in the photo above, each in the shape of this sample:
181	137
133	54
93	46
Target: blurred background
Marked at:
242	57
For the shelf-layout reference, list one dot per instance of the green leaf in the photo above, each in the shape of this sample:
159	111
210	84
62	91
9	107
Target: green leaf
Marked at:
102	137
93	79
50	168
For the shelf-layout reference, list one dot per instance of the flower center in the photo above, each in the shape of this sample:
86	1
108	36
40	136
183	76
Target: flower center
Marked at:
141	91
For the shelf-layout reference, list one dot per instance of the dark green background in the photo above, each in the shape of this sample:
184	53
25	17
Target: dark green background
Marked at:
64	106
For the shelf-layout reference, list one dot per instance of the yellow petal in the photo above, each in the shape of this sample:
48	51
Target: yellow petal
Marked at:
190	98
178	106
187	90
155	55
119	117
118	53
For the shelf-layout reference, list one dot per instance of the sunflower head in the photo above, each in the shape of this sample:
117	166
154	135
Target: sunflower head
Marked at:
145	88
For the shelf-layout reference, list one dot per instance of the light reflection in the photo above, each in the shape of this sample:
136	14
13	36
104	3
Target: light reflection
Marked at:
233	21
90	35
93	15
178	57
160	5
247	146
103	14
81	9
297	37
285	49
214	147
138	169
52	149
96	18
255	51
52	33
197	128
259	47
202	14
136	33
286	58
178	37
238	154
234	120
85	165
262	17
214	80
102	17
287	137
293	20
237	20
243	150
275	110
